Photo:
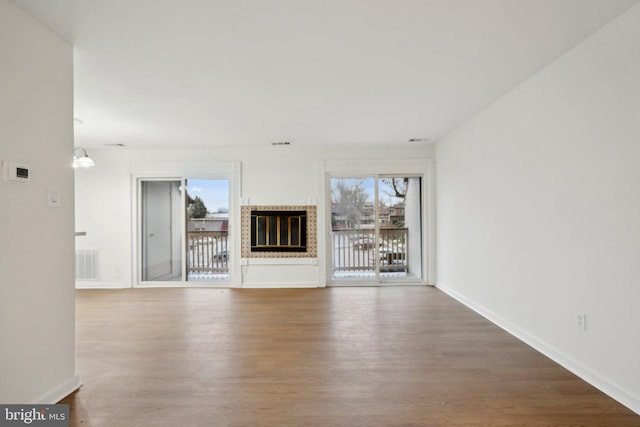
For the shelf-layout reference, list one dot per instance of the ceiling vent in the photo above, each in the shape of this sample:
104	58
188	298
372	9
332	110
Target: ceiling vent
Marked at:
280	143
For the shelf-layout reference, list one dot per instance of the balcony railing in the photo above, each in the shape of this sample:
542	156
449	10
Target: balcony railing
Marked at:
356	250
207	253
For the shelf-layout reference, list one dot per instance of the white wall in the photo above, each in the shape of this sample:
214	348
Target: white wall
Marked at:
37	304
268	176
539	210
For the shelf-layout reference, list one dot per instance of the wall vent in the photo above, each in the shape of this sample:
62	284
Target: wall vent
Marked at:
87	265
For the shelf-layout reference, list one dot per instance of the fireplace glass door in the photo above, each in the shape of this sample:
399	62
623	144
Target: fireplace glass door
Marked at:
376	229
278	231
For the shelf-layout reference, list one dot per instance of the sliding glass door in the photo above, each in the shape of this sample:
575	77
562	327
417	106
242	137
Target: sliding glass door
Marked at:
376	229
184	227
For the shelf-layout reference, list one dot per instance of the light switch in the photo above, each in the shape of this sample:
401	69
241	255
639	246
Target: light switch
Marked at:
53	197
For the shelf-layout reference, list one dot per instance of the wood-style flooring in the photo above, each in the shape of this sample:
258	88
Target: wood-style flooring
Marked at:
392	356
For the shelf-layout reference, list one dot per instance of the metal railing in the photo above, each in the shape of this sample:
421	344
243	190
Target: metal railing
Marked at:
207	252
356	250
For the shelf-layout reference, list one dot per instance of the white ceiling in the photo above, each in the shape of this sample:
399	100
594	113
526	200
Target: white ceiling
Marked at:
219	73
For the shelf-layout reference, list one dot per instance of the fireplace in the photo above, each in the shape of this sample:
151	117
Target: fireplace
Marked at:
279	232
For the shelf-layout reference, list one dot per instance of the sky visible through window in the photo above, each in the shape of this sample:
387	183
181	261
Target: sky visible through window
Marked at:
367	184
213	192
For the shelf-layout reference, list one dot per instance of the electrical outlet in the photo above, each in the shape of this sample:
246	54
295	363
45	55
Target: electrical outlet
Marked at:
581	322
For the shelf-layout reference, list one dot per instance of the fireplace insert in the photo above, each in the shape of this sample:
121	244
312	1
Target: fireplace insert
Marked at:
278	231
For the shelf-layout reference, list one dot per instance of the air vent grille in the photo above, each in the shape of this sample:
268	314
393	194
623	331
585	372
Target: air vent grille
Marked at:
87	265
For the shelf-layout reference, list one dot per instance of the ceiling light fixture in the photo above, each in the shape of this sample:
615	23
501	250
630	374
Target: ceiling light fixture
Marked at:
82	161
280	143
419	140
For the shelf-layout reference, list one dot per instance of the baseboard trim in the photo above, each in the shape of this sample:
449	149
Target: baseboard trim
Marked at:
563	360
279	285
58	393
99	285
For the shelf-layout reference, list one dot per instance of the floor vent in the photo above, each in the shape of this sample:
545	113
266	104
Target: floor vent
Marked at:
87	265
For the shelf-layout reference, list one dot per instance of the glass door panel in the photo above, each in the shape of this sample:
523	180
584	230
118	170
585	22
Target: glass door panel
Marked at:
353	228
207	213
399	228
161	203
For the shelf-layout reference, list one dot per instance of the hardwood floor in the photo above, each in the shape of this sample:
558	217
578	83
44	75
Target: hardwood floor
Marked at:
396	356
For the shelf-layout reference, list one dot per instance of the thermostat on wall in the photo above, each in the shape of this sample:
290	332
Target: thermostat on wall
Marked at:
15	172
